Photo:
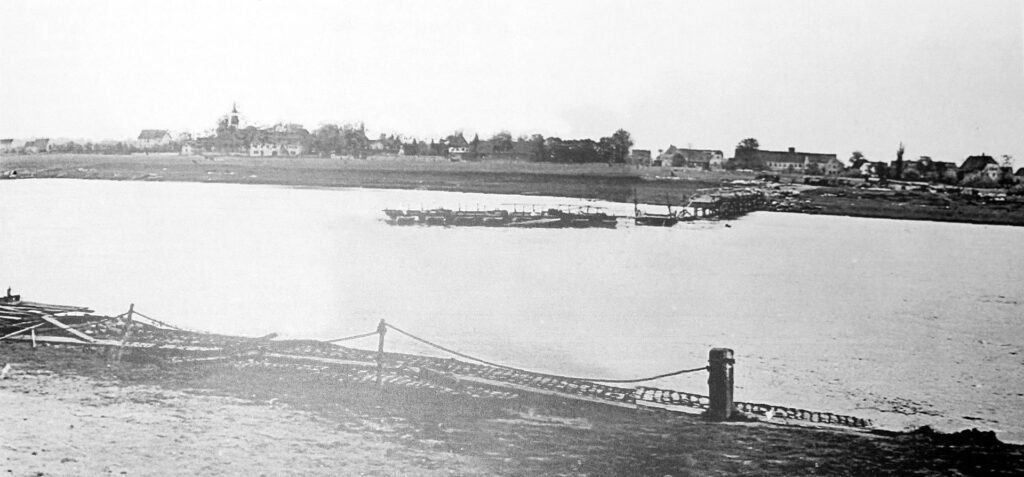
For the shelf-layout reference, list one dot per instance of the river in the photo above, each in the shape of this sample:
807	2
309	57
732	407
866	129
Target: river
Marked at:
906	323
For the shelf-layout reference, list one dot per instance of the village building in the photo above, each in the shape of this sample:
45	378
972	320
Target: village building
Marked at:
153	138
717	162
8	145
781	161
974	168
976	163
942	172
37	146
457	147
993	172
833	167
279	142
866	168
692	158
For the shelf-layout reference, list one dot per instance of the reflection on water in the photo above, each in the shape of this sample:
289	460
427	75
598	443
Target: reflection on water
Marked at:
875	318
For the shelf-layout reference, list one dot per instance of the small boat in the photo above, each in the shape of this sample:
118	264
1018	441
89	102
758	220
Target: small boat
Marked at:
655	220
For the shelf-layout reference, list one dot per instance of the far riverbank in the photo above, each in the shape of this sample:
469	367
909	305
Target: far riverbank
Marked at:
615	183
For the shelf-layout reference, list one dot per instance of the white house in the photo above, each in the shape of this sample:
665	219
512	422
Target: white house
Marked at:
153	138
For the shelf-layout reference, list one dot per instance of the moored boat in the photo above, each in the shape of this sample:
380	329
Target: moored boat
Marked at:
656	220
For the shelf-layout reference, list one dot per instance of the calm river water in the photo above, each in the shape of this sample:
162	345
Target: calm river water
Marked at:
906	323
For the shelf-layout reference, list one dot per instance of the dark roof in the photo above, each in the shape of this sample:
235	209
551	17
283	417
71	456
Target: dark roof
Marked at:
794	157
38	143
697	155
668	152
689	155
457	140
976	163
153	133
6	141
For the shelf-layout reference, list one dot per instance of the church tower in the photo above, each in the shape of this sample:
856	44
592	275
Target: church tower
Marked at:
233	122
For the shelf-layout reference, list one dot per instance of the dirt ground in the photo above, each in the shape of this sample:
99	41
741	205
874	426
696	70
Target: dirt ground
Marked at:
910	205
66	412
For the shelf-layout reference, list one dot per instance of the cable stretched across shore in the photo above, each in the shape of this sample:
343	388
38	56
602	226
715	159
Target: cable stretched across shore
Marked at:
489	363
354	337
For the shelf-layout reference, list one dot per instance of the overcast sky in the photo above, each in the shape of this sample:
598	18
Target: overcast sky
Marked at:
944	77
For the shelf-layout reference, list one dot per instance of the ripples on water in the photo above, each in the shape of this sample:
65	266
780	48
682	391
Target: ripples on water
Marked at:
906	323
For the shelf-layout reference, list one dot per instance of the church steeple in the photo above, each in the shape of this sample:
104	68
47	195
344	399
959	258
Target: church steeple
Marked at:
233	122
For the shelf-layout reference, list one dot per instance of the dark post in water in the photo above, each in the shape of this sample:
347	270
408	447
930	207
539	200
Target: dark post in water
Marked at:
381	329
720	364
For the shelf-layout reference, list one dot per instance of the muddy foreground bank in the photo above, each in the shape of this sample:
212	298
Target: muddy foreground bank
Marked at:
68	413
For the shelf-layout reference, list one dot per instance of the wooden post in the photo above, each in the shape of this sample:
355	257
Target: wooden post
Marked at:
127	333
720	364
382	329
33	337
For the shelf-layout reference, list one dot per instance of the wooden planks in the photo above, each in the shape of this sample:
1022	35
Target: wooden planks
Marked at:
78	334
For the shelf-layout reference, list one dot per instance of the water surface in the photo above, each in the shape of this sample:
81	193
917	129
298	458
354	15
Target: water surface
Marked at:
906	323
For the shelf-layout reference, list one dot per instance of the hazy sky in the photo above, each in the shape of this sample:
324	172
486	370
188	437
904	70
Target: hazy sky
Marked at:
944	77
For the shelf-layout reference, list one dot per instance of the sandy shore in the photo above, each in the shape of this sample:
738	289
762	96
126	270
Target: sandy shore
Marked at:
68	413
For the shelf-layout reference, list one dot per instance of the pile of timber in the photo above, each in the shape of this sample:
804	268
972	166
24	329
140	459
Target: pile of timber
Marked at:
72	325
27	320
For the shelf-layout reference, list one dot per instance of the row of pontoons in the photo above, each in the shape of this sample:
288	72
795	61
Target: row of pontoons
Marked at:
707	204
579	217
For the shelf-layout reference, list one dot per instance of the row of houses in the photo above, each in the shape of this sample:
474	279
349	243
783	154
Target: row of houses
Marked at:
790	160
981	169
17	146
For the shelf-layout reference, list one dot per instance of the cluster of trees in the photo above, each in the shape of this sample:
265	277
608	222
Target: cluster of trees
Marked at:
610	149
118	147
351	139
340	139
971	173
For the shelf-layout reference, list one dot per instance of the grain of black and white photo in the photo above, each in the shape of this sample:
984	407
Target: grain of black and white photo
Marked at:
526	238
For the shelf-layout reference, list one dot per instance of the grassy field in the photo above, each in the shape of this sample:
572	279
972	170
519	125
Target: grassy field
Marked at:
592	181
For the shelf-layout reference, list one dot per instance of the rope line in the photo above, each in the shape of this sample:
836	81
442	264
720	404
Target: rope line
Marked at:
489	363
154	320
364	335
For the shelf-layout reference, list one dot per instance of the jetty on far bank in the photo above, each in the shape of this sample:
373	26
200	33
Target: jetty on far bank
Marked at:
708	204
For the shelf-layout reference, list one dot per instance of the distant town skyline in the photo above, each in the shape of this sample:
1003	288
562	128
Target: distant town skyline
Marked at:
944	78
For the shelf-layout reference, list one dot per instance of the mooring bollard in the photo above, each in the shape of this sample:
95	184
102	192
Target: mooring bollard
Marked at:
720	364
382	328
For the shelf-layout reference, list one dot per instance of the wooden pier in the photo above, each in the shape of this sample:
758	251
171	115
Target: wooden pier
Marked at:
724	204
